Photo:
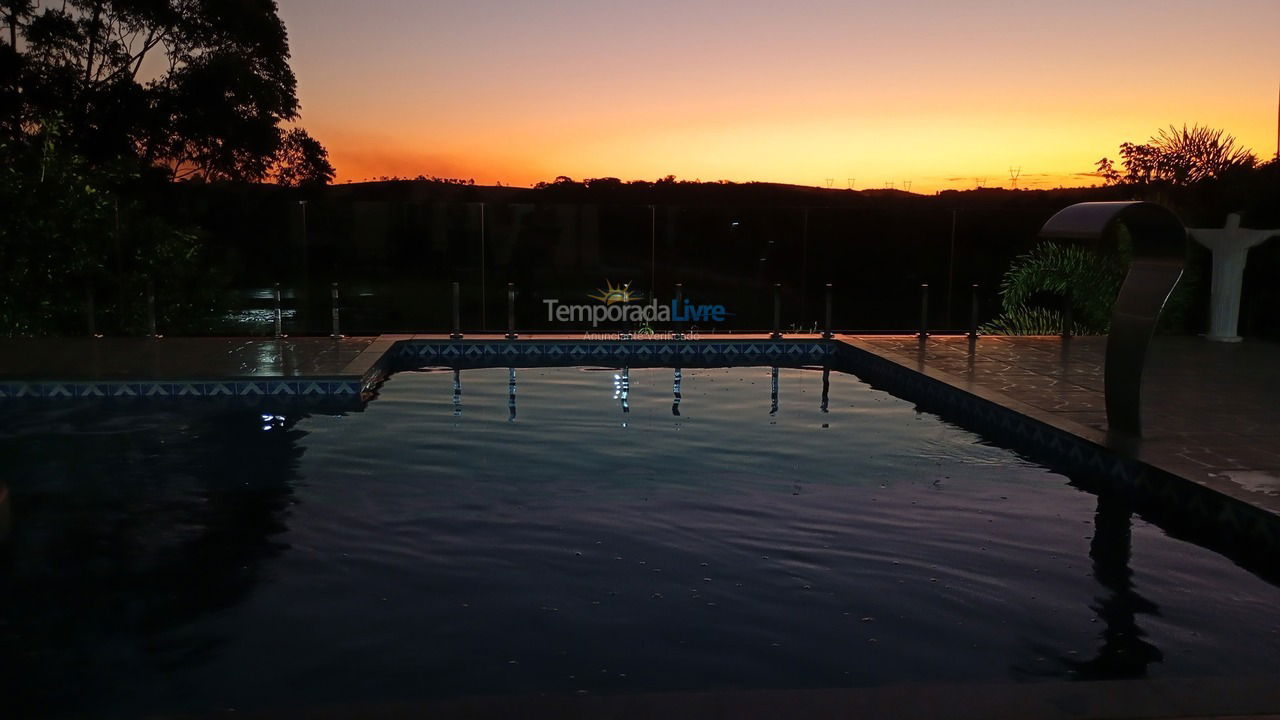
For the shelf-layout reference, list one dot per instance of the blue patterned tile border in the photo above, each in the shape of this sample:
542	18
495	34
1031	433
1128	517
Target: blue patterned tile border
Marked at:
499	353
266	387
1181	505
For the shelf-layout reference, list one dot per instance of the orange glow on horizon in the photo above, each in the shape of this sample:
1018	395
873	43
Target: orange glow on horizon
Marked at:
932	94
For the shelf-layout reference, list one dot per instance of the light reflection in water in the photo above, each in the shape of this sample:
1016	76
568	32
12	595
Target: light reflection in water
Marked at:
231	554
773	392
457	393
1125	651
511	394
826	388
675	402
621	394
622	390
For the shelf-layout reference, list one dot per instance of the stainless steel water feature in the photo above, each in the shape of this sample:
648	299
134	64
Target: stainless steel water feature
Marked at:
1159	250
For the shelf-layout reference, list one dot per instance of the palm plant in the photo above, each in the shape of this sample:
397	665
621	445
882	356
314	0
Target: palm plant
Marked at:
1053	276
1178	156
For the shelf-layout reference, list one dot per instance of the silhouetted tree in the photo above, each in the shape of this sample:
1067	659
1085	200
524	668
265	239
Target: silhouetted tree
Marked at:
1178	157
302	161
199	87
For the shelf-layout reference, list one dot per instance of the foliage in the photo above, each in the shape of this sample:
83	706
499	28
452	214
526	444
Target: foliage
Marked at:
102	104
1178	157
71	232
199	87
1031	320
51	239
1040	283
302	161
1089	280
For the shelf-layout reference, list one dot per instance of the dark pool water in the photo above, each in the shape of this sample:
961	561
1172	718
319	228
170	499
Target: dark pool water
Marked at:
189	559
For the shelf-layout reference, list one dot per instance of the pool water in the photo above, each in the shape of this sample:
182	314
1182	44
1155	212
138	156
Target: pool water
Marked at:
566	530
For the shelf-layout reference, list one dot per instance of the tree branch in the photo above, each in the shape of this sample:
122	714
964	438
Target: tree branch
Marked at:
93	42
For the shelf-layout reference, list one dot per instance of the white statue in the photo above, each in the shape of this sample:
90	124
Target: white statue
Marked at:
1230	246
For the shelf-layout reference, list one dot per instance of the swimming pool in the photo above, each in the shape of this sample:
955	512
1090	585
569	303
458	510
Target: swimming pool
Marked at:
563	530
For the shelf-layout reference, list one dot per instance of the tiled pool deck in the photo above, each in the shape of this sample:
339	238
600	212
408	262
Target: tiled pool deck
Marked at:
182	367
1211	411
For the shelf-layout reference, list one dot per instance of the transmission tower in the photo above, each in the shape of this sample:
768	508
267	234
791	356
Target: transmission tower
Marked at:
830	182
1014	172
850	183
906	186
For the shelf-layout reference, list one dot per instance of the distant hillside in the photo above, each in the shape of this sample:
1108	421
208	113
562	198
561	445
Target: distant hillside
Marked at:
680	192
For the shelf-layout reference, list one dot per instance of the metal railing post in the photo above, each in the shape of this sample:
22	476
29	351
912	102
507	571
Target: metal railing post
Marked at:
924	310
457	313
151	310
777	311
678	310
511	311
826	332
1067	320
279	314
89	311
973	311
333	294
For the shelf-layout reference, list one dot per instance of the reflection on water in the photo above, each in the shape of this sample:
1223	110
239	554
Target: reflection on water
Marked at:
622	390
1125	652
773	392
132	531
511	394
826	390
675	388
457	393
5	520
166	562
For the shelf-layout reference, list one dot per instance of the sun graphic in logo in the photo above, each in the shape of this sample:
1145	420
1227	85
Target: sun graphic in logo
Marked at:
621	294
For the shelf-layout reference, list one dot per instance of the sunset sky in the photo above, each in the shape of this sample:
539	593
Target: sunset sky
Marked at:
936	92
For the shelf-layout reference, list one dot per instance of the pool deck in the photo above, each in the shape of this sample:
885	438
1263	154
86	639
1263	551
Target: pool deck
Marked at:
175	367
1211	411
178	358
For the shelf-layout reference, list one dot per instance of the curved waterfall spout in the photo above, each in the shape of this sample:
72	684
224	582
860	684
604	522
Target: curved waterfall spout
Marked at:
1159	251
